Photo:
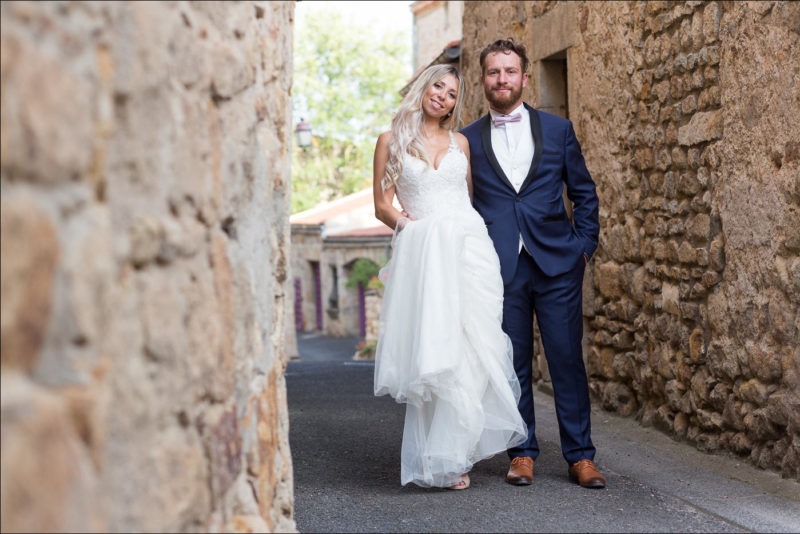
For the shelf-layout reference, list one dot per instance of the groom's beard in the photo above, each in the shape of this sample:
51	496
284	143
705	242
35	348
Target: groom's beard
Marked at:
502	102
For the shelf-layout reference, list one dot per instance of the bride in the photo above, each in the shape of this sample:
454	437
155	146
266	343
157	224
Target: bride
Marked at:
441	348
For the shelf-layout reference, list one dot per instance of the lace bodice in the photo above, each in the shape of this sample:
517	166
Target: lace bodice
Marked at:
423	190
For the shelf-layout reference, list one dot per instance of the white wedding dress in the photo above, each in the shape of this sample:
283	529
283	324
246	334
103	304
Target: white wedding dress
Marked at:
441	348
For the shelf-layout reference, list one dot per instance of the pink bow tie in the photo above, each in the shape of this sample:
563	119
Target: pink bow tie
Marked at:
502	119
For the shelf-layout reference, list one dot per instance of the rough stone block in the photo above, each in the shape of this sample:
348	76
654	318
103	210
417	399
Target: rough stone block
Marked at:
698	290
688	106
636	287
709	420
703	126
48	476
697	81
46	101
679	158
701	227
710	279
697	346
654	225
663	419
680	424
690	311
790	463
688	184
662	90
759	427
146	237
717	254
607	279
713	55
719	396
723	362
223	443
708	442
697	29
782	320
670	301
711	19
741	443
685	33
619	398
663	159
674	391
693	157
668	118
711	75
672	252
31	253
622	340
781	406
602	338
697	272
643	158
231	73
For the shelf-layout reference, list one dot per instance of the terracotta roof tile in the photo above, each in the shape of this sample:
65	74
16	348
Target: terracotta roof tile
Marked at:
322	212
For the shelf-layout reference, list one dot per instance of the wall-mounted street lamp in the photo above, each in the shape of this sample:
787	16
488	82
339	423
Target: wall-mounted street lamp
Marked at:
303	133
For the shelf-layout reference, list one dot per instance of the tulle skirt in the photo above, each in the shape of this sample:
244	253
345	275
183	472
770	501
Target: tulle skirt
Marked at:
441	349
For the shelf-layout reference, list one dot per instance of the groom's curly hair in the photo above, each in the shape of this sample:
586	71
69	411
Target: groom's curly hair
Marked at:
506	46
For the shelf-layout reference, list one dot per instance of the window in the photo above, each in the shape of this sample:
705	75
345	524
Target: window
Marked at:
553	89
554	96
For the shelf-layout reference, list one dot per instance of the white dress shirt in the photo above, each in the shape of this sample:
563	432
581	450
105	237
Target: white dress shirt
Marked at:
512	144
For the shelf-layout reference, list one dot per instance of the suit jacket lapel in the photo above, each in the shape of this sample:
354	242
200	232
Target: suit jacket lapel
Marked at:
536	130
486	139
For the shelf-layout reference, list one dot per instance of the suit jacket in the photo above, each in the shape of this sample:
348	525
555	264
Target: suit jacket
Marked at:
537	212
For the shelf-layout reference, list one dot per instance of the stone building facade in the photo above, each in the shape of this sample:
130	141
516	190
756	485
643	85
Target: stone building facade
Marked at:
326	241
436	23
145	182
687	115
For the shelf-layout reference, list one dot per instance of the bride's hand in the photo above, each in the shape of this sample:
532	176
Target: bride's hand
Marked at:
399	225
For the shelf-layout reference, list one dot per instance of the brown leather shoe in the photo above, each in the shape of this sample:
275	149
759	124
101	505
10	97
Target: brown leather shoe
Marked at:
521	471
586	474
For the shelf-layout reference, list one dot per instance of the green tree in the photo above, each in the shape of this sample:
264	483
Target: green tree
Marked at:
346	82
363	270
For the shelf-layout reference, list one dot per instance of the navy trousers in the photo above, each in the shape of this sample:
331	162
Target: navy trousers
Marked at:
557	304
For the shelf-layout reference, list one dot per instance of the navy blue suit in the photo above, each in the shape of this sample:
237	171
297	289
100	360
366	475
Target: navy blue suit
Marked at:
546	277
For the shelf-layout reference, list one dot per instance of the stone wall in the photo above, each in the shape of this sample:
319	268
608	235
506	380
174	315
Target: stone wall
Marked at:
685	112
145	235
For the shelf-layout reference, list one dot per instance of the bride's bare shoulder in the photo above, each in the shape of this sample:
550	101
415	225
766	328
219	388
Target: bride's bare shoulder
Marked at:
385	138
463	144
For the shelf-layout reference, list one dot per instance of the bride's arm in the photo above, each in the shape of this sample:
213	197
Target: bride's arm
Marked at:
463	144
384	211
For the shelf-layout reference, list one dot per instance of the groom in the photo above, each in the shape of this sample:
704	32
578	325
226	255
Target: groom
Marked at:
521	159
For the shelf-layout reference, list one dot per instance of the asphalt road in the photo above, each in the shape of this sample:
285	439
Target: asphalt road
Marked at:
346	457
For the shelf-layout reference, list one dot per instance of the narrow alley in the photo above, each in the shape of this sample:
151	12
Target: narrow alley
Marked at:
346	454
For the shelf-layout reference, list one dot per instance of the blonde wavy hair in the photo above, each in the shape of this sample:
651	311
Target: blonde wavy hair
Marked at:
407	122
